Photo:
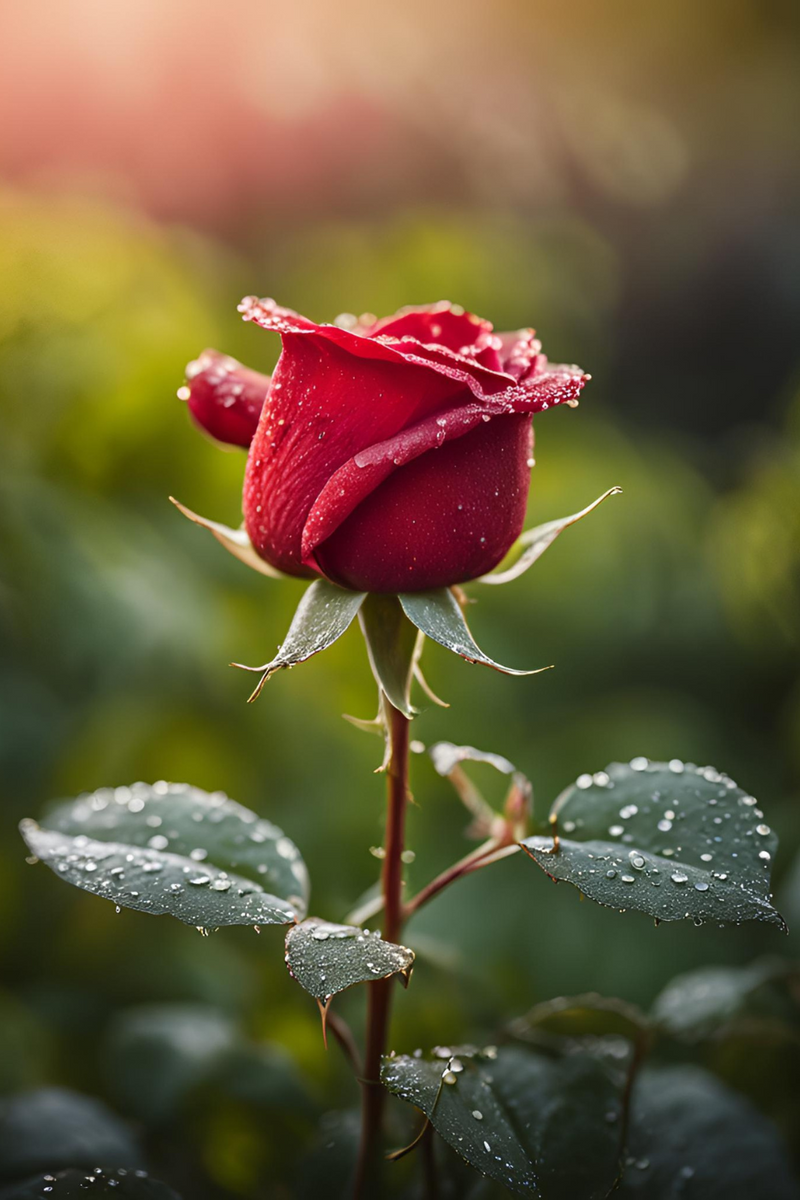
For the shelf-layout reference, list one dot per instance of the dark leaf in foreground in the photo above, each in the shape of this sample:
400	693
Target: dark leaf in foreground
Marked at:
542	1126
693	1138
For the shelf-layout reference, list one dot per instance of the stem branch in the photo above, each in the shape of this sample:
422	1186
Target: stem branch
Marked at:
489	852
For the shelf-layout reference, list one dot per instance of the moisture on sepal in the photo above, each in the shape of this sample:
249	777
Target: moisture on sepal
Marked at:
324	613
236	541
672	840
532	544
439	616
172	848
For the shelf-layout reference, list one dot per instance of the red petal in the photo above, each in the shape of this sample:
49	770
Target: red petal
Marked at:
444	518
365	471
224	398
443	324
324	408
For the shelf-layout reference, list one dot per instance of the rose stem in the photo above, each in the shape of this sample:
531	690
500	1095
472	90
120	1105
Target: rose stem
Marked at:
380	992
491	851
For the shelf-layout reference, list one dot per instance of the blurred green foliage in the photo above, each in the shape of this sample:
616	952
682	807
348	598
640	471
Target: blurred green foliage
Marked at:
671	615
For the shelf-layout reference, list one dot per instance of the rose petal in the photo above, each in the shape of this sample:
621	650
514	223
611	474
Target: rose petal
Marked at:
354	481
441	517
224	398
324	408
444	324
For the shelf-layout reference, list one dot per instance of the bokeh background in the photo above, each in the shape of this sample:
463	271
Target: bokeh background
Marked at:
624	177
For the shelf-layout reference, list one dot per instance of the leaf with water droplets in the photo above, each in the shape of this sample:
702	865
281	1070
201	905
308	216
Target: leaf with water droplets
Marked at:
692	1137
326	958
112	1183
392	647
438	615
543	1126
172	848
235	541
323	615
700	1003
670	839
532	544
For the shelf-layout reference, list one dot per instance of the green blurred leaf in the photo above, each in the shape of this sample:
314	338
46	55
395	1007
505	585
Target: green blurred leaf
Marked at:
326	958
699	1003
52	1128
691	1137
119	1184
155	1054
539	1125
438	615
391	644
532	544
172	848
670	840
323	615
589	1015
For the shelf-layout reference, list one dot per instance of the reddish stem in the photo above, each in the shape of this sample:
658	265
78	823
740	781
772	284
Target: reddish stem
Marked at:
380	992
485	854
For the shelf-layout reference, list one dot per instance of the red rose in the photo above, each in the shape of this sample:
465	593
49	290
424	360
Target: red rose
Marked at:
391	456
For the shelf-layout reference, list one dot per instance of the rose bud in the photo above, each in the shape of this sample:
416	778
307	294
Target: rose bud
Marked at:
224	398
394	455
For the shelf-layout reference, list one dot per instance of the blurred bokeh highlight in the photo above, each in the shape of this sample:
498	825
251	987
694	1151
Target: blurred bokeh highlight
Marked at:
625	178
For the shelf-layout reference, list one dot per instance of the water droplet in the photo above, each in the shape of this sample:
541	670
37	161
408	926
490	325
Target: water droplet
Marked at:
700	886
678	877
477	1114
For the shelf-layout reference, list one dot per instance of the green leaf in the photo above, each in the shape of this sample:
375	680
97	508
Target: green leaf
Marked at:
438	615
155	1054
391	644
690	1137
52	1128
323	615
699	1003
113	1184
671	840
532	544
171	848
587	1016
326	958
235	541
542	1126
